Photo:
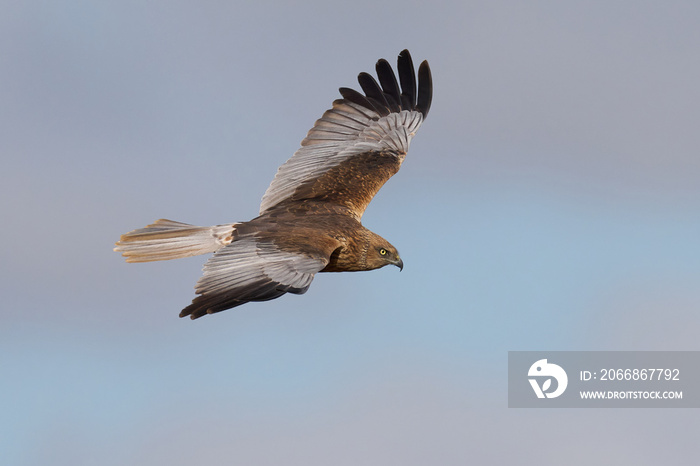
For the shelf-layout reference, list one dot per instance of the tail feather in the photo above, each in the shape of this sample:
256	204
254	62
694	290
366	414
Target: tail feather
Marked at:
167	239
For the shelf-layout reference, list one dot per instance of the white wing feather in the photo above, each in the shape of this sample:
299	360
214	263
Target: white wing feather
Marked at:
246	262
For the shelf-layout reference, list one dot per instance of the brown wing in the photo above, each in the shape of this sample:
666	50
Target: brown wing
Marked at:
358	144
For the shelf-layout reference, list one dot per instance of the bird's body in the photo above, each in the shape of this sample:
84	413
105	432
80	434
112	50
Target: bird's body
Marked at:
338	236
310	216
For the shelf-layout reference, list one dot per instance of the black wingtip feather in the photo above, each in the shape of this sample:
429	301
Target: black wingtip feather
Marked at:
351	95
390	86
203	305
407	77
425	88
373	92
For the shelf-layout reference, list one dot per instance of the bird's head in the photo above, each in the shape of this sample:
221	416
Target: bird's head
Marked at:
380	253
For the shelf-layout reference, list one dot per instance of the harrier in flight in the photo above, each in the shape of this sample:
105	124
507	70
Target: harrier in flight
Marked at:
310	215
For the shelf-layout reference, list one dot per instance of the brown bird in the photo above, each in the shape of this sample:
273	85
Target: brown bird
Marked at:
310	215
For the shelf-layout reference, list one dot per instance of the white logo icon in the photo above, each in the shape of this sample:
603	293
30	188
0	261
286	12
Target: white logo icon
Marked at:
543	369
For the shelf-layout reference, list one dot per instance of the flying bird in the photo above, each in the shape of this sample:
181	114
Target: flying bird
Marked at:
310	215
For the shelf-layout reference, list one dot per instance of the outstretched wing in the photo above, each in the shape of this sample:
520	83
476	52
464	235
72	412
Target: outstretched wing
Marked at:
253	269
358	144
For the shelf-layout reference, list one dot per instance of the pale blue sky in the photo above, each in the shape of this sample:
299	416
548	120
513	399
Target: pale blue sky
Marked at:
549	202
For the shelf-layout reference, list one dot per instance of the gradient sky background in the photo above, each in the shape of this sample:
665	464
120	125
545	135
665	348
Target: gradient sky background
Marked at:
549	202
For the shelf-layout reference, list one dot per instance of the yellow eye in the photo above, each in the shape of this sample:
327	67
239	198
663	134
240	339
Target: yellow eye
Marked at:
382	252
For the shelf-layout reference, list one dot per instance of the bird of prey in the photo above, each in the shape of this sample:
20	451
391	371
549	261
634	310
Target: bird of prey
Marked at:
310	215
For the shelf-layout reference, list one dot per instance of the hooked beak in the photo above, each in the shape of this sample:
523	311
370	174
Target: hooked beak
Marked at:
399	264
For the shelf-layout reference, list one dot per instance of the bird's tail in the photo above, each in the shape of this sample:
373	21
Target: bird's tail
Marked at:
166	239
